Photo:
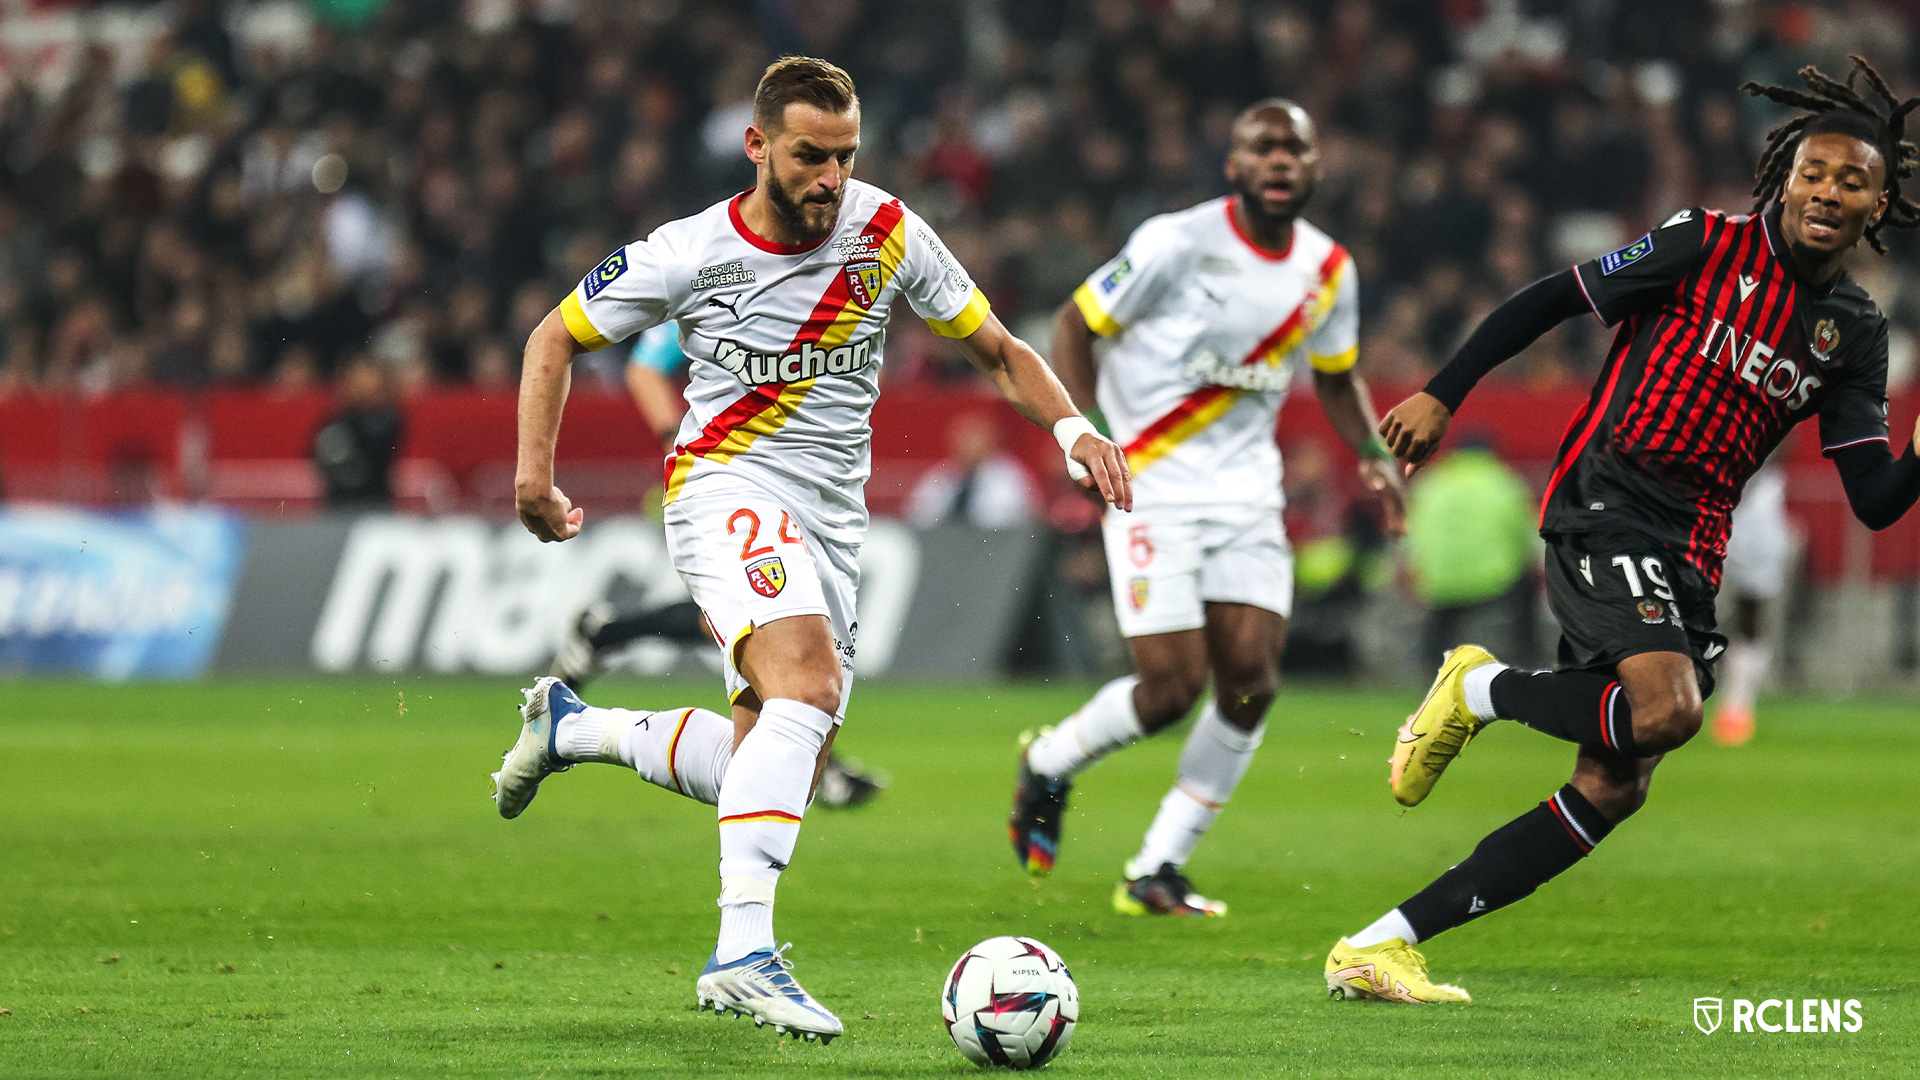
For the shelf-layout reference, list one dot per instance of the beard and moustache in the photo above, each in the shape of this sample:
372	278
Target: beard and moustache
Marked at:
793	213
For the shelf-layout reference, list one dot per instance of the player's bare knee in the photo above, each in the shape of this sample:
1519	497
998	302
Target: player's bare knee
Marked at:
818	689
1666	724
1163	698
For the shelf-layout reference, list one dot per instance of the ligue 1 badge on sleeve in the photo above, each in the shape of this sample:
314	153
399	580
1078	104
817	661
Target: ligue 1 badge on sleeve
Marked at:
1706	1015
768	576
601	276
1632	253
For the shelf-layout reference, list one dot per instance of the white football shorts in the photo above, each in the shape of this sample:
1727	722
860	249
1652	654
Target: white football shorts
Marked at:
748	561
1758	546
1166	565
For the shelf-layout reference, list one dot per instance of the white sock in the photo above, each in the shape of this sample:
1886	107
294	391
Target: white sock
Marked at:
1214	759
682	750
581	736
1104	724
745	926
1175	832
1216	755
1477	685
1385	928
763	798
1745	666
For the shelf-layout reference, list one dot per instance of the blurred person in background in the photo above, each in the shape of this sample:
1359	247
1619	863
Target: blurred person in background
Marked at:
604	628
1205	317
423	150
1473	545
355	449
1755	575
978	484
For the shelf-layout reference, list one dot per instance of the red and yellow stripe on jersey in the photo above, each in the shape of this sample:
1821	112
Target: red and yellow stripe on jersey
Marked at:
766	409
1204	406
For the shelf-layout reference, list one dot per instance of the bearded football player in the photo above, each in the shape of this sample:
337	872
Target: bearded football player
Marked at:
782	296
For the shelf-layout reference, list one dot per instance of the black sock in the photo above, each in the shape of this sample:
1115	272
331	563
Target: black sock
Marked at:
1510	863
1582	707
676	622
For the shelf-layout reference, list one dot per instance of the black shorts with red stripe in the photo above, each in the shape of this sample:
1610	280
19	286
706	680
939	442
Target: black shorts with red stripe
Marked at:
1619	594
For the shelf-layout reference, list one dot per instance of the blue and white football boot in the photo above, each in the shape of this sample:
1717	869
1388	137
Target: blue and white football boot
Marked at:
534	757
758	986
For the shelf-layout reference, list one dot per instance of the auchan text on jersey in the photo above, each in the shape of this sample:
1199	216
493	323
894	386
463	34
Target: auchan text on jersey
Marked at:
810	361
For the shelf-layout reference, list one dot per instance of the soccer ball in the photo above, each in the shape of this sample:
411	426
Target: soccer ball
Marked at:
1010	1001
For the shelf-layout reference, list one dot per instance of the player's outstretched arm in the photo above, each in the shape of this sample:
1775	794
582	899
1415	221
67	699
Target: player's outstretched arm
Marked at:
1880	487
1414	428
1030	386
1349	408
545	374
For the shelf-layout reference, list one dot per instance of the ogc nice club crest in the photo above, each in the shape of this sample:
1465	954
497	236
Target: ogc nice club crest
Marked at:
768	576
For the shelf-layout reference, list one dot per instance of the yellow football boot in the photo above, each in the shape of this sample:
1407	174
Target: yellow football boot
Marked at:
1438	730
1390	971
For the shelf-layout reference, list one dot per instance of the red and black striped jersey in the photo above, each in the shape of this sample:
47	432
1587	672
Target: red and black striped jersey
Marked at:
1720	351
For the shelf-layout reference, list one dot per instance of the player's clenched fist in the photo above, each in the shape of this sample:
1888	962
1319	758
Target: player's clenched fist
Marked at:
549	516
1414	428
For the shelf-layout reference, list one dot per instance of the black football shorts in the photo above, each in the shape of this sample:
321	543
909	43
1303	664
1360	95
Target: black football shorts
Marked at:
1617	595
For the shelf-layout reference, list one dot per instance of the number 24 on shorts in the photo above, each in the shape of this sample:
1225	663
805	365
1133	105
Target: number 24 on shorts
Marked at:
766	573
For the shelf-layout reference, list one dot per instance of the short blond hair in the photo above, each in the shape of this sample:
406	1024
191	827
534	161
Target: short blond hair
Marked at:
805	79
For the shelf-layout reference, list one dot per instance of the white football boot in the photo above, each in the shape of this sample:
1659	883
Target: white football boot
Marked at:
758	986
534	757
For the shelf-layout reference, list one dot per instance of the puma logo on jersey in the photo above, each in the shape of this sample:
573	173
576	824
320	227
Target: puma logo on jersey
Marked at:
808	362
1747	285
719	303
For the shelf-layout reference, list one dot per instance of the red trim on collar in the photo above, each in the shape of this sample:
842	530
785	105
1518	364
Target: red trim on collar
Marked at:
761	242
1265	253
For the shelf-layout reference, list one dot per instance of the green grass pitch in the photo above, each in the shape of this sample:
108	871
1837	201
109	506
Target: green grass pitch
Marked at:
299	879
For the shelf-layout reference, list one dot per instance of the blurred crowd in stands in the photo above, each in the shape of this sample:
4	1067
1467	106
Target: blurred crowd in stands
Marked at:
204	192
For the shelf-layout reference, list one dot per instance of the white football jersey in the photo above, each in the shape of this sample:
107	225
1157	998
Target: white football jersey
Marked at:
1204	333
785	340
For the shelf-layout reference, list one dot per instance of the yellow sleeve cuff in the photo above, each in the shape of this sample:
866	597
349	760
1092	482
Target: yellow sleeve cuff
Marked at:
1337	363
965	323
578	324
1098	320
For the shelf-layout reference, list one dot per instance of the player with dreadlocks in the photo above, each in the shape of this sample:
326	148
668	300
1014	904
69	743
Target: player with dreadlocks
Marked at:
1732	329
